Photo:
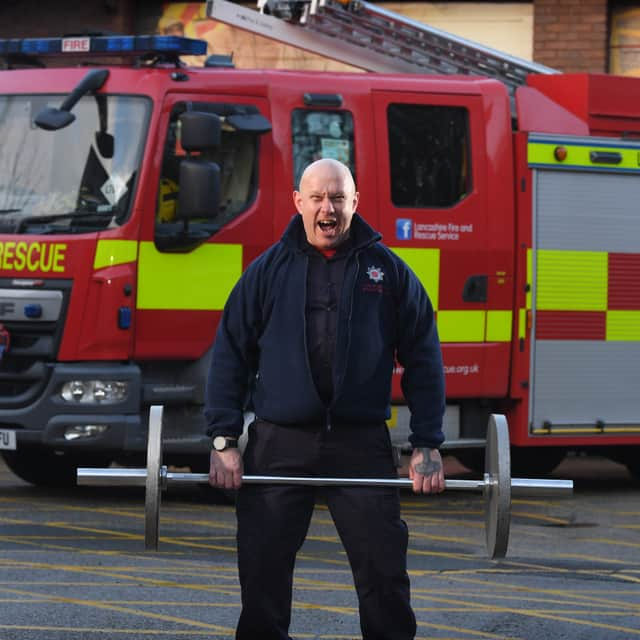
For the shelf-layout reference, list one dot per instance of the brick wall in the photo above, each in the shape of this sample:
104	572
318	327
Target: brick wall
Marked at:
40	18
571	35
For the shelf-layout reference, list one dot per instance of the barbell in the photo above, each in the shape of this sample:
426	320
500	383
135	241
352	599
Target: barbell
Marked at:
496	485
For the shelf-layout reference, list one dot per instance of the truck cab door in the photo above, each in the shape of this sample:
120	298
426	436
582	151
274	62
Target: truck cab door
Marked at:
432	168
183	285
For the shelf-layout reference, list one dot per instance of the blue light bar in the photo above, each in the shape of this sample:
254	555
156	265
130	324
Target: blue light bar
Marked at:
103	46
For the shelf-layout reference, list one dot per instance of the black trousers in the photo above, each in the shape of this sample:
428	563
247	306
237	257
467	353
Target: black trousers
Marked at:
273	521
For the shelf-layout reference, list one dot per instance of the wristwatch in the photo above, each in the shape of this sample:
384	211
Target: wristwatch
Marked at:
220	443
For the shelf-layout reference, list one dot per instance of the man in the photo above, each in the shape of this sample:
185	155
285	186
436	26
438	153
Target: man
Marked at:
310	335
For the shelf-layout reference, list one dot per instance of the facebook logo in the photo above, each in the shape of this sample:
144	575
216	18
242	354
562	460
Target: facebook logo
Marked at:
404	228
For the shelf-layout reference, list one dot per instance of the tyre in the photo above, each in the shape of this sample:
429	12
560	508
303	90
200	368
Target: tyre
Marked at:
48	468
473	459
526	462
532	462
634	468
630	458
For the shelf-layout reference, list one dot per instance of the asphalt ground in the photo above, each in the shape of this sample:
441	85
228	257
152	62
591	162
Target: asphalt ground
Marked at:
73	565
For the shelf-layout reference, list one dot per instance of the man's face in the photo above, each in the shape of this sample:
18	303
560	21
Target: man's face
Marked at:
326	201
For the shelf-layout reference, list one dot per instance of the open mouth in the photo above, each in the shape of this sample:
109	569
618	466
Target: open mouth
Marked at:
327	225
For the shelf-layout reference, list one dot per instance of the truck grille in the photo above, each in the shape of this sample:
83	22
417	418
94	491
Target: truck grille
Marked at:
34	318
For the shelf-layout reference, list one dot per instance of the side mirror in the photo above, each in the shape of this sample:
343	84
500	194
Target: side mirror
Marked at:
200	131
199	190
197	201
52	119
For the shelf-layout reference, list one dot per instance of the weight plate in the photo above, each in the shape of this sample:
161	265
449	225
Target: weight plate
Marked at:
497	487
153	492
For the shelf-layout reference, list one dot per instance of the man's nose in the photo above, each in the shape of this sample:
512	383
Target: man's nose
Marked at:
327	204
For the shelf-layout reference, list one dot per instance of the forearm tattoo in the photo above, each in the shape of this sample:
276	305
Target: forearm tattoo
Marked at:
428	466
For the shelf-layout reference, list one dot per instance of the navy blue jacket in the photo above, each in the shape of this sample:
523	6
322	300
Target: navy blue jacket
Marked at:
260	354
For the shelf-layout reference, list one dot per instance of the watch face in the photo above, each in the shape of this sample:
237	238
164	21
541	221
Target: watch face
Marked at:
219	443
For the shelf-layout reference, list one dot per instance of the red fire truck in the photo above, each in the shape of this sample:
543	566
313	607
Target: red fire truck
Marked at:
134	192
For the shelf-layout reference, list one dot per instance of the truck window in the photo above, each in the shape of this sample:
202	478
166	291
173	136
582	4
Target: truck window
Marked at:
429	158
77	179
321	134
237	157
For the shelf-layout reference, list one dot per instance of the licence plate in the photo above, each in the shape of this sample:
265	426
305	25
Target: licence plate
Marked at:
8	439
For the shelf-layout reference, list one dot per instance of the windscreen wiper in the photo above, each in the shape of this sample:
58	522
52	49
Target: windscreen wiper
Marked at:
98	216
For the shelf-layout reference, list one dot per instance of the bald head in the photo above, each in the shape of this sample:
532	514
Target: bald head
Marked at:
326	166
327	200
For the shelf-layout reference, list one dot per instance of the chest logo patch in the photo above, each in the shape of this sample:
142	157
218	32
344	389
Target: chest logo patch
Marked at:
375	274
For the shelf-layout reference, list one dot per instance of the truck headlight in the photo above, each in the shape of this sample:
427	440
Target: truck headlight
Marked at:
80	431
94	391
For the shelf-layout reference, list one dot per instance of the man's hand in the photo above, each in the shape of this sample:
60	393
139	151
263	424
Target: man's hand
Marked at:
426	471
225	469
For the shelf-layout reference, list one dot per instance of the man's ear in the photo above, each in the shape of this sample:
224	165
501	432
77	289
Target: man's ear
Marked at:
297	201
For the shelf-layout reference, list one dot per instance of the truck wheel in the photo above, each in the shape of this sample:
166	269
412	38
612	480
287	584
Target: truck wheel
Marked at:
47	469
634	468
531	462
526	462
473	459
629	458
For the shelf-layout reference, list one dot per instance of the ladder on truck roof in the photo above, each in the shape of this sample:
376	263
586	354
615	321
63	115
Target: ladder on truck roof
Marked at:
368	37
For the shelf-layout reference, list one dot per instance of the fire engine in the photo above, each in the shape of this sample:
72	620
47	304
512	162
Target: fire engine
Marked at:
135	190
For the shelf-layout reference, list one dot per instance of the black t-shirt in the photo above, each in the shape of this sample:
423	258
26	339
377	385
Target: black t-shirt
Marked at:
324	287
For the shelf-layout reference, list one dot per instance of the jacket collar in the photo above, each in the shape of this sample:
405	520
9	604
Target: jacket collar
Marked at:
362	234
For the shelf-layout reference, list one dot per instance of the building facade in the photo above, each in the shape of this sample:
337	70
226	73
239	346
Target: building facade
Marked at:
597	36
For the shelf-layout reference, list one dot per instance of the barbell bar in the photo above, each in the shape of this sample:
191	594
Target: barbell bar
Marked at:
496	486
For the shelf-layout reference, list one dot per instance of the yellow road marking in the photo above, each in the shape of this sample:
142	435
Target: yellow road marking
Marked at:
129	611
568	596
87	631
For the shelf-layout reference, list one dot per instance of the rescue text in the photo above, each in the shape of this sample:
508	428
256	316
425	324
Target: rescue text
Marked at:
32	256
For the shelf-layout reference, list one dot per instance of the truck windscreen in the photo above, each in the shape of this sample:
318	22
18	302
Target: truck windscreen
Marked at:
76	179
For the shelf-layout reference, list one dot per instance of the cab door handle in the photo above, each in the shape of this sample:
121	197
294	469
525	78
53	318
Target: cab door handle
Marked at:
475	289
